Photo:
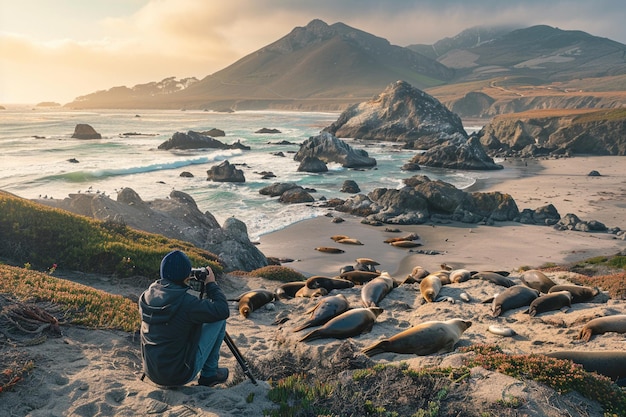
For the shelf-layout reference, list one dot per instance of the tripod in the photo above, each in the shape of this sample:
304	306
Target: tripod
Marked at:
233	348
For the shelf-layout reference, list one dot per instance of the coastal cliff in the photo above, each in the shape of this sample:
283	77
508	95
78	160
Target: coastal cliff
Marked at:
592	132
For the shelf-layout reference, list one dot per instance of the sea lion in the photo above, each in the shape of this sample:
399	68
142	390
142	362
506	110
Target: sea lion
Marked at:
346	268
610	363
405	244
329	249
289	289
430	287
327	308
375	290
318	281
580	293
512	297
444	276
253	300
339	237
417	274
366	261
550	302
348	324
350	241
536	279
311	292
359	277
601	325
459	275
494	278
424	339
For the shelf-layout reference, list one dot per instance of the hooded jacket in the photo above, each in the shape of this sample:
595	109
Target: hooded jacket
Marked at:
171	322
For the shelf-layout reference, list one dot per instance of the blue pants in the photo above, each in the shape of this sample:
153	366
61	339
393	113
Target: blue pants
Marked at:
208	354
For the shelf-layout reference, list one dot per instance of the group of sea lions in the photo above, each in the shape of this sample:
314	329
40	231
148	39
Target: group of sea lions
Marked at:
334	317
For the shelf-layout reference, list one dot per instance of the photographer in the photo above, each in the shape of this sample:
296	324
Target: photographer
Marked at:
181	335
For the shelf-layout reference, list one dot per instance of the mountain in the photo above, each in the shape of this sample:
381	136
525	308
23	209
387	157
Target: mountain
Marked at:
330	67
544	53
316	65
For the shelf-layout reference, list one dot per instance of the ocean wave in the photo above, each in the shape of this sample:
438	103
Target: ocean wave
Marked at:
84	176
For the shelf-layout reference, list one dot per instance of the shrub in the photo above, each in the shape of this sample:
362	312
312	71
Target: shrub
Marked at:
560	374
278	273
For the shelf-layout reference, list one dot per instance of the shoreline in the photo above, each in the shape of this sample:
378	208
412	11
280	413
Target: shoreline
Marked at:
504	246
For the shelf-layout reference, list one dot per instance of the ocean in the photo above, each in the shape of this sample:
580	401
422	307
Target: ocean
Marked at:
37	148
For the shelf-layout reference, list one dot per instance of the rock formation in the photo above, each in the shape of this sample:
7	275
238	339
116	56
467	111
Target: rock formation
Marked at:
596	132
85	131
457	153
329	149
312	164
225	172
401	113
196	140
423	200
176	217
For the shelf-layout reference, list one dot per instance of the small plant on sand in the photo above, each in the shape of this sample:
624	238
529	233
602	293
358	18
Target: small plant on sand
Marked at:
560	374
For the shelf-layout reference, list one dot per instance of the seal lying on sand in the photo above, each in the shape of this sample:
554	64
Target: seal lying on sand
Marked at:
329	249
289	289
430	287
580	293
324	310
601	325
549	302
494	277
253	300
611	363
536	279
424	339
359	277
512	297
375	290
329	283
348	324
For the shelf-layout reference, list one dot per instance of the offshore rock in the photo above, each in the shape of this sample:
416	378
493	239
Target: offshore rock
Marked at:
225	172
312	164
457	153
401	113
329	149
196	140
85	131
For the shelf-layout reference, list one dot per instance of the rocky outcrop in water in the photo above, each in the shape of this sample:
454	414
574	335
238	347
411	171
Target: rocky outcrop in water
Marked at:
459	153
401	113
196	140
225	172
85	131
328	148
595	132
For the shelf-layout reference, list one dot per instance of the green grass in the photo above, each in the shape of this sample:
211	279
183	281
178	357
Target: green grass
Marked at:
46	238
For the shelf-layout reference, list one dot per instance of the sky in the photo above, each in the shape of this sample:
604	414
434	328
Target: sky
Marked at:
57	50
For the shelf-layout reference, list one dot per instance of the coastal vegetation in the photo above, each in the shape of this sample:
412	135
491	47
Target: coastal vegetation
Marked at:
45	238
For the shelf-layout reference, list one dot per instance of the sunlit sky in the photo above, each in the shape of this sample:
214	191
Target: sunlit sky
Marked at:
57	50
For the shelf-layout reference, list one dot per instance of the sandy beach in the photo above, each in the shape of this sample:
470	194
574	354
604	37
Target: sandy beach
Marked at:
89	373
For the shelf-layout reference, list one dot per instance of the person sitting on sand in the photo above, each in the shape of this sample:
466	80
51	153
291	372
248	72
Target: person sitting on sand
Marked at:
181	334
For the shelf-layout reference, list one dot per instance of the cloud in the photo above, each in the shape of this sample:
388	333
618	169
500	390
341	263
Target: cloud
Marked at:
155	39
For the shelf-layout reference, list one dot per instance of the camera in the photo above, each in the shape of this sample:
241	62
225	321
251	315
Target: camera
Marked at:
197	275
